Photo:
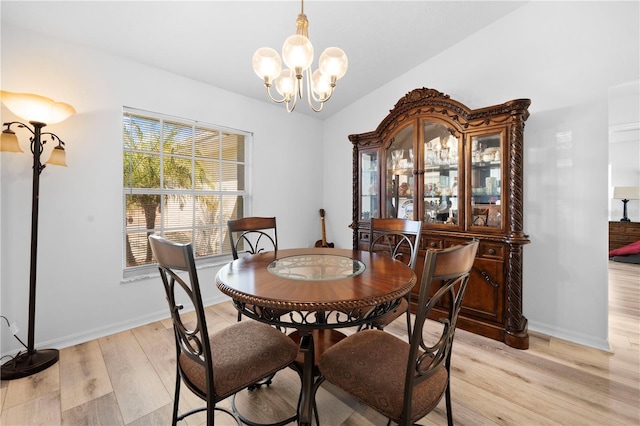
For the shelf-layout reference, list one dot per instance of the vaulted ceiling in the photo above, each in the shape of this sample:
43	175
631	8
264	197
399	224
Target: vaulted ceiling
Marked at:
213	41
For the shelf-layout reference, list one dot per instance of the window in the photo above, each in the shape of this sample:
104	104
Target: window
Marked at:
183	179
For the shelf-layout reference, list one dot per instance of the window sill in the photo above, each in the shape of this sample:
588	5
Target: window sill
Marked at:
146	272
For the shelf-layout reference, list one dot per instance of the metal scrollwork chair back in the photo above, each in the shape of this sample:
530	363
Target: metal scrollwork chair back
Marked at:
252	235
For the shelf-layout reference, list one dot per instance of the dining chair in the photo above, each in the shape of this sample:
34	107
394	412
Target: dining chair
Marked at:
252	235
218	365
398	238
405	381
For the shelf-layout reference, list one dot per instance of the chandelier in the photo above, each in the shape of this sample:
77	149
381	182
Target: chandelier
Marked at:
297	53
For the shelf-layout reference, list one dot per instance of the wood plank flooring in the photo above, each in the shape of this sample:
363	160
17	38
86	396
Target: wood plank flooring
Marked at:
128	379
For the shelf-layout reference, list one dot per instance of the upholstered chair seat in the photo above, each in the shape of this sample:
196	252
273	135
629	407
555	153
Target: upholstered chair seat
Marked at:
234	367
348	366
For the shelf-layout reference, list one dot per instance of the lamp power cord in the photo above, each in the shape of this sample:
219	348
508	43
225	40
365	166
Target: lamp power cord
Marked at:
14	330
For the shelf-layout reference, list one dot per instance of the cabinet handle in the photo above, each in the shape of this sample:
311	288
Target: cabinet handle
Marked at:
492	251
432	244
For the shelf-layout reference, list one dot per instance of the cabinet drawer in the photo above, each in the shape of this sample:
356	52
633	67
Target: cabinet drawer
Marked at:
431	243
363	239
450	242
624	239
624	229
632	230
491	250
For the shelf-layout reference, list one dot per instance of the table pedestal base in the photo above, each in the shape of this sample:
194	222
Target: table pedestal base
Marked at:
269	405
312	346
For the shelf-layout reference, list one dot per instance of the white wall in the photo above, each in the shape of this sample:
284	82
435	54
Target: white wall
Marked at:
80	294
563	56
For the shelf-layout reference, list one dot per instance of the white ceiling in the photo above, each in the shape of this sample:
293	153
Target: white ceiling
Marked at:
213	41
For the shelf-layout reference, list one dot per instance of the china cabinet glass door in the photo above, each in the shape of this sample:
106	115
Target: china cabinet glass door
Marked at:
369	181
486	153
399	183
441	175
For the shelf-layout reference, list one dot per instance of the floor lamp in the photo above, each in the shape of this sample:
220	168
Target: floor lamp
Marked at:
38	111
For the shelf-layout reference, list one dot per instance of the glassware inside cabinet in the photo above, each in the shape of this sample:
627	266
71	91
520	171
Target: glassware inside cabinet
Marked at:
441	159
399	176
486	189
369	185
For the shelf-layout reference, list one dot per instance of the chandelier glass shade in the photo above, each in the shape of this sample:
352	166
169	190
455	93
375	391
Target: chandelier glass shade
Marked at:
292	82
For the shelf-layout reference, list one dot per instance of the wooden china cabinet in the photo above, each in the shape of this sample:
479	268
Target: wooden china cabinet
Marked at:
460	171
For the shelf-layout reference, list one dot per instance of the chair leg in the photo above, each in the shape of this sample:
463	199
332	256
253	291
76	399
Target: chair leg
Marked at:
211	404
315	405
409	325
447	397
176	400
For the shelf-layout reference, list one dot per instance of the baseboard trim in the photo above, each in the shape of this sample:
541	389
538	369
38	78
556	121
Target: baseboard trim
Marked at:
107	330
578	338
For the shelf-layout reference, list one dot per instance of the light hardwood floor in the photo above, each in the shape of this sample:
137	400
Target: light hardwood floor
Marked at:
127	379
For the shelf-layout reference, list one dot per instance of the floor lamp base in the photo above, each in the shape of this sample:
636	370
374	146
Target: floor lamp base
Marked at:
29	363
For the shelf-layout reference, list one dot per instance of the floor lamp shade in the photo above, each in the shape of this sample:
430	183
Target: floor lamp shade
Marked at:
36	108
9	142
58	157
626	193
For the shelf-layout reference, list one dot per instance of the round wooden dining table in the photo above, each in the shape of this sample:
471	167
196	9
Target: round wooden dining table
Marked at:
311	289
